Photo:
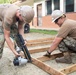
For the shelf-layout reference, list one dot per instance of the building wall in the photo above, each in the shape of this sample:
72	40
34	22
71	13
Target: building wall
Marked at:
46	19
47	22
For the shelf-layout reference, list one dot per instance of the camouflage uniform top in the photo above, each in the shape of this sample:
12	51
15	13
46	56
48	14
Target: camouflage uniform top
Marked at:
8	14
68	28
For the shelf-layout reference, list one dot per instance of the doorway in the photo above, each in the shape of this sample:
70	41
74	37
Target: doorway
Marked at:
39	15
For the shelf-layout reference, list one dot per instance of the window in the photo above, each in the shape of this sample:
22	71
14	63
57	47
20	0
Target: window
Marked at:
56	4
52	5
49	7
69	5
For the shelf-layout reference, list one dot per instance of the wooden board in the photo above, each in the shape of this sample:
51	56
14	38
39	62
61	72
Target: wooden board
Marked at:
39	43
46	68
44	58
38	50
69	69
40	40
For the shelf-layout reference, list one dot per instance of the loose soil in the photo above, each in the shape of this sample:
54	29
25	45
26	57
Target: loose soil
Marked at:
7	67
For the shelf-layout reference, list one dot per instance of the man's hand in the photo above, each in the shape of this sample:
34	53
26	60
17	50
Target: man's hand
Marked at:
17	54
48	54
25	42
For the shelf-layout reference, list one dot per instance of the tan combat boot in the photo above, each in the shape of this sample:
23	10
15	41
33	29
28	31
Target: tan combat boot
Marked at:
66	59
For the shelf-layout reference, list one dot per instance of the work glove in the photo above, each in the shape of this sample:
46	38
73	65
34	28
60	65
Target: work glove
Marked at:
48	54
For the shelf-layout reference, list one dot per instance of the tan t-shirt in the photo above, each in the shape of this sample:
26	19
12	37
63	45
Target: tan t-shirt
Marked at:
8	14
68	28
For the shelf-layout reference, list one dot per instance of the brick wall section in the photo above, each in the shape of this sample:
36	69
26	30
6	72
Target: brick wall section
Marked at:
47	21
71	15
35	22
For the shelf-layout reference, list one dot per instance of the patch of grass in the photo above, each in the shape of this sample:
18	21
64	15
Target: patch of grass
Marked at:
52	32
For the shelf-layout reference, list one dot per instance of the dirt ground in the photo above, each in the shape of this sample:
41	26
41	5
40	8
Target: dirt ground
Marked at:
7	67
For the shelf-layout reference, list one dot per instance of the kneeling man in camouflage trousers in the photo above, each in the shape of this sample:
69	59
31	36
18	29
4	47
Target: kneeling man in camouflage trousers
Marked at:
11	15
66	37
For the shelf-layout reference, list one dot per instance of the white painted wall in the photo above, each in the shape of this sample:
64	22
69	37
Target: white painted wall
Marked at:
44	11
74	5
62	5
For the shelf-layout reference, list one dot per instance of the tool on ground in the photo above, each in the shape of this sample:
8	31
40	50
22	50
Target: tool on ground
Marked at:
20	46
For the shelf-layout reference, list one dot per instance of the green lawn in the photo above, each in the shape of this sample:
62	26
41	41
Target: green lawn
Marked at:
52	32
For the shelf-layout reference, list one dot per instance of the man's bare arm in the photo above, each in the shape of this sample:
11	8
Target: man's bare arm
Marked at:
9	42
55	44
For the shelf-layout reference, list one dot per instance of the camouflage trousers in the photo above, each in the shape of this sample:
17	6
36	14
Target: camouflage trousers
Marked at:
67	44
2	40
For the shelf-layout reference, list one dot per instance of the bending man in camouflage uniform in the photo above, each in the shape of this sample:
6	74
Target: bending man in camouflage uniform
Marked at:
66	37
10	15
